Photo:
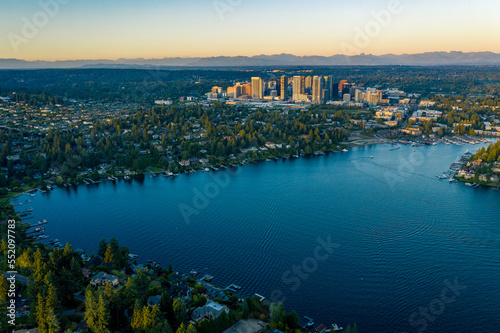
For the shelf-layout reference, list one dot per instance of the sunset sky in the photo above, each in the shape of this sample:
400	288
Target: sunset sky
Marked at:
112	29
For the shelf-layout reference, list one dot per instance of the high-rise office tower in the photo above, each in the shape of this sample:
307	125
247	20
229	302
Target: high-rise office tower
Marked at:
298	87
308	84
341	87
283	86
257	88
329	87
317	89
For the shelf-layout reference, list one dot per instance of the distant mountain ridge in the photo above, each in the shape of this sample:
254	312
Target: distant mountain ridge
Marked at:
420	59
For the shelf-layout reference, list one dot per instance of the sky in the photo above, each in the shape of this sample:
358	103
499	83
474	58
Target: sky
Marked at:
112	29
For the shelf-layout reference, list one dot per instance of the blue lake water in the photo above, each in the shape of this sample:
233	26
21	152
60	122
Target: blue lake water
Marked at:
402	236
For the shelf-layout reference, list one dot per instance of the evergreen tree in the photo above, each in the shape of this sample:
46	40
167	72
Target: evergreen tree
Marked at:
102	248
102	313
52	322
278	312
52	301
167	307
41	314
4	287
162	327
109	257
180	311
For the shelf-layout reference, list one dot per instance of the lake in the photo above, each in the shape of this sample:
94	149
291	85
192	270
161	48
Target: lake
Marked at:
370	236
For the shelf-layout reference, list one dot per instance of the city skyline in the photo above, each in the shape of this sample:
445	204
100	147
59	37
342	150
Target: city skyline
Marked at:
68	30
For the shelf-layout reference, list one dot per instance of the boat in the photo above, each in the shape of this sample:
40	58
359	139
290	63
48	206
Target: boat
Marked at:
37	230
452	180
371	156
126	177
345	150
336	328
133	256
206	170
468	184
395	148
443	176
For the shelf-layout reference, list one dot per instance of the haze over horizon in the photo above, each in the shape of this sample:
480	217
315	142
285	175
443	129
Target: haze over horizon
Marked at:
55	30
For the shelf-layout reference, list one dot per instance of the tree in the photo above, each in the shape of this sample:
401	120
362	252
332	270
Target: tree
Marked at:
4	287
3	247
292	320
52	322
167	307
25	259
41	313
52	301
96	311
278	312
162	327
145	319
40	266
109	257
102	248
180	311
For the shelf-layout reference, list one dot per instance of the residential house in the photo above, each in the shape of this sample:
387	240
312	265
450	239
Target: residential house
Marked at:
211	310
102	278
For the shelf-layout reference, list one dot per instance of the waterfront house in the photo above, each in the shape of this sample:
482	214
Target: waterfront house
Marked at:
180	289
469	175
102	278
483	178
270	145
495	179
214	292
211	310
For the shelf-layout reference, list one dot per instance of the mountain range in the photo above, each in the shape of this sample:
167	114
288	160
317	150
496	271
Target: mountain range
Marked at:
420	59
